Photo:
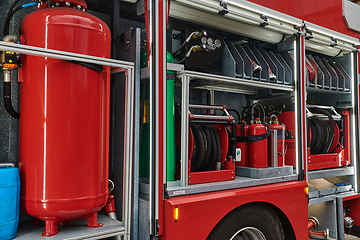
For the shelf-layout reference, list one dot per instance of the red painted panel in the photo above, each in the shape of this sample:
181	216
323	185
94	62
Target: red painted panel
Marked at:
326	13
354	204
199	214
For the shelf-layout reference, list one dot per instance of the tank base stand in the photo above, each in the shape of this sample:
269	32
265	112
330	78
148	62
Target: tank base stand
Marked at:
51	228
92	221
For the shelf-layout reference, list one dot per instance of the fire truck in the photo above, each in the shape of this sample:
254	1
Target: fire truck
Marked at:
181	119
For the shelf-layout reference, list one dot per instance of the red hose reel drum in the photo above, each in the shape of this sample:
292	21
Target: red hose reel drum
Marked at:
63	149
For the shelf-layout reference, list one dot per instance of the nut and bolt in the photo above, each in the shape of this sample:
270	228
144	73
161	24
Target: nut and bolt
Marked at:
67	4
78	7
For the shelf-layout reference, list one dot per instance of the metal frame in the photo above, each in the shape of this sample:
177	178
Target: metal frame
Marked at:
324	37
157	115
117	66
186	77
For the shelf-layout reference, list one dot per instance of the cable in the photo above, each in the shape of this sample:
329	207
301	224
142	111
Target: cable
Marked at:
196	34
11	14
8	16
192	49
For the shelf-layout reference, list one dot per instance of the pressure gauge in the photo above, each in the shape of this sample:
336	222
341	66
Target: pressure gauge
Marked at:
204	40
217	43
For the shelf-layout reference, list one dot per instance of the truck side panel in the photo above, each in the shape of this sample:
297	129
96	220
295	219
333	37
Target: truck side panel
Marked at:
205	210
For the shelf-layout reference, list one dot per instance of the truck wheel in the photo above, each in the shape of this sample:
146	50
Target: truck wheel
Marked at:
249	222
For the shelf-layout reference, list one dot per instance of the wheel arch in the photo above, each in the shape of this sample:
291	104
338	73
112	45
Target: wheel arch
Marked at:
285	222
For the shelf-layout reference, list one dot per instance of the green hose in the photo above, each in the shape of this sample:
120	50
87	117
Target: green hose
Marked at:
170	117
144	157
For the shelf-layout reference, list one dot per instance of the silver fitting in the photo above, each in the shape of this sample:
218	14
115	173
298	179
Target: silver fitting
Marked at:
348	222
7	75
327	234
78	7
315	221
10	38
67	4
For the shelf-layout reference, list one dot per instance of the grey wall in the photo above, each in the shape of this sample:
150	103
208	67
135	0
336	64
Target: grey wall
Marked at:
9	126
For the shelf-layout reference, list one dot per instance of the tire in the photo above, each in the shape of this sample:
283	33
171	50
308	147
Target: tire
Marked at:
249	222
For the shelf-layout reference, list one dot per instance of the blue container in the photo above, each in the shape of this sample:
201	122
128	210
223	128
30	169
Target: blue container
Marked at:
9	201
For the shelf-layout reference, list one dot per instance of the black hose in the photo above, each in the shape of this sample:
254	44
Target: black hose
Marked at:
324	132
9	16
261	107
237	113
7	100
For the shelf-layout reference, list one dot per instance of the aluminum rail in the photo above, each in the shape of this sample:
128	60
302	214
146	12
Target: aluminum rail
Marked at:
336	117
242	15
228	117
118	66
68	56
206	107
330	43
211	117
239	81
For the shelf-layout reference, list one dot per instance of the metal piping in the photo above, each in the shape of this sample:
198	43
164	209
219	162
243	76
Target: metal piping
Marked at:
10	38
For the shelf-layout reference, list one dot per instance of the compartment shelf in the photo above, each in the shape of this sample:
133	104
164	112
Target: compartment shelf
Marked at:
332	172
219	82
331	197
239	182
76	230
223	83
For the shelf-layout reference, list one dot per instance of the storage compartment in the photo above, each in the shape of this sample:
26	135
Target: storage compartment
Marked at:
254	80
331	120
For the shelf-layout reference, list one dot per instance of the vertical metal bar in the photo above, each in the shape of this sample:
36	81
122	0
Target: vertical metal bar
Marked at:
184	178
136	182
356	118
274	147
164	91
212	100
300	111
158	82
152	154
128	150
340	218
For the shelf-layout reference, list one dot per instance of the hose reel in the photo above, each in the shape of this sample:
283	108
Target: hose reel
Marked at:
321	129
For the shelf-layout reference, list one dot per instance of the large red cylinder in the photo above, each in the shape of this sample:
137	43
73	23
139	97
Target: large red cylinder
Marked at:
64	117
258	145
242	132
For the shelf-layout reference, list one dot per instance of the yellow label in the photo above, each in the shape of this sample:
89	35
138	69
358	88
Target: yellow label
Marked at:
146	111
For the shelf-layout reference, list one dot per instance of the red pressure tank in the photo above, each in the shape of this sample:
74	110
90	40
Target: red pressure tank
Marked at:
258	145
242	132
274	124
64	132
